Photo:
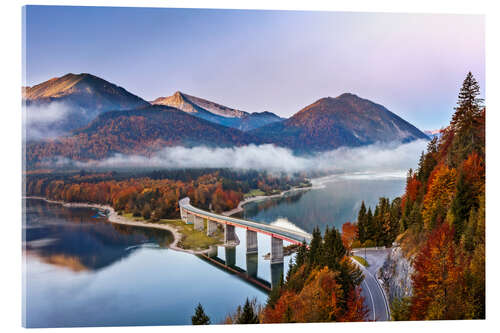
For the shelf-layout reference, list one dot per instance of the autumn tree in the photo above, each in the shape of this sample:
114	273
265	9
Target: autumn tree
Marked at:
437	278
349	234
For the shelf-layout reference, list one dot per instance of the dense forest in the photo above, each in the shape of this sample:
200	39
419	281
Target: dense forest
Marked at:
322	284
439	221
154	195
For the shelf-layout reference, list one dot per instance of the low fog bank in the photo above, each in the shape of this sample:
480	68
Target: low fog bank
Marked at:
377	158
52	120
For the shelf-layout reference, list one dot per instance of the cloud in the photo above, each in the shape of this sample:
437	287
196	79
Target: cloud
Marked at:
390	158
45	121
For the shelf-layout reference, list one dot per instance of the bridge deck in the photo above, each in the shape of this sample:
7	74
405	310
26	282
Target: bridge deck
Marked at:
292	236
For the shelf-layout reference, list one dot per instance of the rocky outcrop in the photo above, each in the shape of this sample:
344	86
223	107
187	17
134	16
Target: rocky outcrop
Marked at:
396	275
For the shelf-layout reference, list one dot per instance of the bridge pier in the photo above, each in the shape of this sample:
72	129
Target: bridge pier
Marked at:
229	233
190	218
211	227
183	214
252	245
198	223
276	250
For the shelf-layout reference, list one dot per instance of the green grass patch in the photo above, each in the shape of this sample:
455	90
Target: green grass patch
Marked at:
134	218
361	260
193	239
253	193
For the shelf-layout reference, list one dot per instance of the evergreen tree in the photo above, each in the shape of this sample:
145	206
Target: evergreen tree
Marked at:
362	223
315	247
200	318
370	226
466	121
333	248
461	205
247	316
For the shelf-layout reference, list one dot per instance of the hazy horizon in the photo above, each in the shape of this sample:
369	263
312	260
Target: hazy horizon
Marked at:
260	60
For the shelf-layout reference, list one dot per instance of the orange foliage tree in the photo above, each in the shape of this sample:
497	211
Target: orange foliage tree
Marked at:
349	234
439	195
437	278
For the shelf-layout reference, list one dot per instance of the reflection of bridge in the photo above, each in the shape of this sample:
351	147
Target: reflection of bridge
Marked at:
250	275
198	216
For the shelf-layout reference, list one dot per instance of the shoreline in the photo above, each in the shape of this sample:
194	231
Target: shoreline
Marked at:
113	217
242	203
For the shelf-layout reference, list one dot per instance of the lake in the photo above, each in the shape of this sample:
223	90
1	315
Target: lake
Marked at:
334	201
81	270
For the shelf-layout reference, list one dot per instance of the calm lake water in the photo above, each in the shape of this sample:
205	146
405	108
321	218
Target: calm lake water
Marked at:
335	200
81	270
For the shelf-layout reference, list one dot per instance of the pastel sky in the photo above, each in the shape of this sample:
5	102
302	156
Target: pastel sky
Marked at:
279	61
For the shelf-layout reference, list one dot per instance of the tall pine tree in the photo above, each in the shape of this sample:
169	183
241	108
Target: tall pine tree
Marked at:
466	120
362	223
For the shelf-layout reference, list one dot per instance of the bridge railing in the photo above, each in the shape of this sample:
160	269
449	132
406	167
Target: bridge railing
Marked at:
275	231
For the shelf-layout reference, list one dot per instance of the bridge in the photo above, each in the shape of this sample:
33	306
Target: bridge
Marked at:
199	218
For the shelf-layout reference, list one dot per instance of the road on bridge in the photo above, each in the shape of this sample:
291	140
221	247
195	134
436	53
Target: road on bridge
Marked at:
292	236
375	298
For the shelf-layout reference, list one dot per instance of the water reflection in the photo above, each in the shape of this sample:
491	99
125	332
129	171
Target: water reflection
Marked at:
78	240
117	275
230	256
252	264
334	204
254	267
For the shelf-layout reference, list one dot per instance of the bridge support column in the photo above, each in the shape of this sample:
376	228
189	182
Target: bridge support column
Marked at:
211	227
229	233
276	250
183	214
198	223
252	245
190	218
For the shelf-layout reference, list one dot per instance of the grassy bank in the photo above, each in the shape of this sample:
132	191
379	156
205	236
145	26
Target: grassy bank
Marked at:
254	193
191	239
361	260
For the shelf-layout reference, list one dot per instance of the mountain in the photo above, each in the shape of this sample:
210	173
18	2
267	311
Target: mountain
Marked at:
346	120
217	113
258	119
433	133
141	131
71	101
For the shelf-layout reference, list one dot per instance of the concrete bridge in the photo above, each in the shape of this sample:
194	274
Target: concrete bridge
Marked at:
196	216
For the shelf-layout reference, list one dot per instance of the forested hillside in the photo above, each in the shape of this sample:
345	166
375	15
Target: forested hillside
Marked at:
322	285
439	222
155	195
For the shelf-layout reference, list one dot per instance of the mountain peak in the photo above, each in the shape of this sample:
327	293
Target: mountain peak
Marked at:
348	95
84	95
347	120
178	94
196	105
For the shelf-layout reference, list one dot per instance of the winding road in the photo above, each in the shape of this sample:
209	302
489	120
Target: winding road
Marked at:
375	298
